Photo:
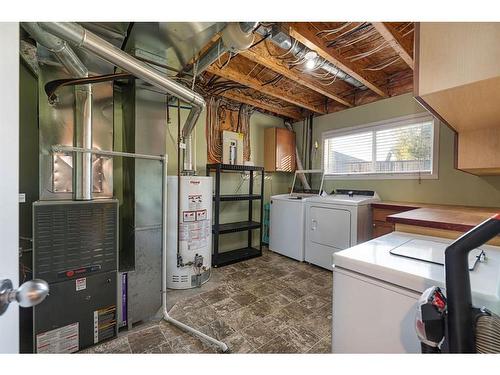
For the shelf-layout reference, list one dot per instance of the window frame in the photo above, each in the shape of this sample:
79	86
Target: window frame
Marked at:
382	125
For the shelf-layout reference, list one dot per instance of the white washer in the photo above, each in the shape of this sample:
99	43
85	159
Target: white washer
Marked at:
336	222
375	293
286	227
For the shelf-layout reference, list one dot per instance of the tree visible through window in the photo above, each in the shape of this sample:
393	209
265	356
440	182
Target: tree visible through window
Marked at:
394	147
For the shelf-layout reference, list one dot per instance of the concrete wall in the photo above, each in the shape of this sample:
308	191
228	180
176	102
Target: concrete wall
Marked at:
452	186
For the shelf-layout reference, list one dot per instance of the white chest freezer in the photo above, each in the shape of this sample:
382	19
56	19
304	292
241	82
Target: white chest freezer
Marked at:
375	292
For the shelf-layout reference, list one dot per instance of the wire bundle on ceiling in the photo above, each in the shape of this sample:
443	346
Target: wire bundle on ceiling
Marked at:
362	36
219	110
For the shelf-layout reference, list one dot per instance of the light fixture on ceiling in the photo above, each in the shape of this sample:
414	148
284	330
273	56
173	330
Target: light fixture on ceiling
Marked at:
310	58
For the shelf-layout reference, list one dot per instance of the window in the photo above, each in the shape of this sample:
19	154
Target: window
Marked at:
404	147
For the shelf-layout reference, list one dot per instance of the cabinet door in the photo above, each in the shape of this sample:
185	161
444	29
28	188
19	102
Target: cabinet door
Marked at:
285	150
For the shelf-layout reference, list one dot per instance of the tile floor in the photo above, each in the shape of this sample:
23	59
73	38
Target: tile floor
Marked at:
270	304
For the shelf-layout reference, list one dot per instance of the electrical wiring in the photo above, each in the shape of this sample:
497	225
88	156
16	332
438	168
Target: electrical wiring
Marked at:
363	55
217	112
384	64
276	79
344	36
409	32
260	41
333	31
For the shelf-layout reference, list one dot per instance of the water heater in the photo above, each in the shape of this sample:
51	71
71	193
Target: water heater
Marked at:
188	265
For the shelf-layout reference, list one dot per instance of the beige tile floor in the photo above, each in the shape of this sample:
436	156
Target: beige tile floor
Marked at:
270	304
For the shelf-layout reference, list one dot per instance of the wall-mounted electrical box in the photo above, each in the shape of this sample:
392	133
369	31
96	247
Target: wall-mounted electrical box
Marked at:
279	150
232	148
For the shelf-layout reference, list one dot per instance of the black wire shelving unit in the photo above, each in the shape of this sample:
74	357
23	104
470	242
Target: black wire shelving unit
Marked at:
233	256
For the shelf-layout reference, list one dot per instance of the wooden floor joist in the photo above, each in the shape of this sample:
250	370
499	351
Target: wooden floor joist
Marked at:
261	55
239	97
399	44
232	74
305	33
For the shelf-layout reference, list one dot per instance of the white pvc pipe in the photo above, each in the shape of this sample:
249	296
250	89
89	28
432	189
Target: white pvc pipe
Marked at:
167	317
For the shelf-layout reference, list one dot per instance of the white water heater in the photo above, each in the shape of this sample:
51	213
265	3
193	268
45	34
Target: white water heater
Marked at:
188	266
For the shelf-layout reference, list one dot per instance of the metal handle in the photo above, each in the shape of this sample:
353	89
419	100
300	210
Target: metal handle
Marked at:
29	294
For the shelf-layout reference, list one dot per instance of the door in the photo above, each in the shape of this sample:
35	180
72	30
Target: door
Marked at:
330	227
9	171
285	150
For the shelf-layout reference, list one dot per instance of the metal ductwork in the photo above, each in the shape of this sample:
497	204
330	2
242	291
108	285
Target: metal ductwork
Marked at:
82	38
82	162
235	37
286	42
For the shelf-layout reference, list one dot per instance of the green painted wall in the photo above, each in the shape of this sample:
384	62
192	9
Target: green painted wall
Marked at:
452	186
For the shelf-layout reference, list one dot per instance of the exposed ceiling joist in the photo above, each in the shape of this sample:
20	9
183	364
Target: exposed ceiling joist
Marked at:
261	55
305	33
234	75
399	44
292	113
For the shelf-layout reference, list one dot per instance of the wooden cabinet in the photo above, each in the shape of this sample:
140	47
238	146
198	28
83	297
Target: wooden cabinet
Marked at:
379	216
279	150
457	77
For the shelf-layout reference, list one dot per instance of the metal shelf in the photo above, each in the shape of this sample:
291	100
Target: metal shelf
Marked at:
239	226
237	255
233	256
239	197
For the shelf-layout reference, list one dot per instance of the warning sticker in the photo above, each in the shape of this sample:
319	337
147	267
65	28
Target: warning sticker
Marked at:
81	284
189	216
59	340
201	215
195	201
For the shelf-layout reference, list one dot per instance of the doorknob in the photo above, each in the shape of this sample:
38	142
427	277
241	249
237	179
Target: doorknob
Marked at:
29	294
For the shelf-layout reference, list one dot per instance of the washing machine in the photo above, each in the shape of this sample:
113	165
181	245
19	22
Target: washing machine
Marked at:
287	217
336	222
286	227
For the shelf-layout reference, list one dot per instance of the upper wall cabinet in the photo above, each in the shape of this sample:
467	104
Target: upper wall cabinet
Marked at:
279	150
457	77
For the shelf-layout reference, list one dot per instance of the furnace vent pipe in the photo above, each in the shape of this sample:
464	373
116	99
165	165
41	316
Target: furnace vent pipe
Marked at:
82	38
82	162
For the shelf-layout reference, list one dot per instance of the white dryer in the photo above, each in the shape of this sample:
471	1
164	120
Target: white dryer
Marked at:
336	222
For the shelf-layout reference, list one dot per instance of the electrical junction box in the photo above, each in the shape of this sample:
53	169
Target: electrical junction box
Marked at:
232	148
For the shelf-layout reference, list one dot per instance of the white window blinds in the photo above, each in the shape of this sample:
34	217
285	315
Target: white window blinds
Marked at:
392	147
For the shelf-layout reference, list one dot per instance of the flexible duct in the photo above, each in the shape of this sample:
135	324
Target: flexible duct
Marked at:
82	162
286	42
82	38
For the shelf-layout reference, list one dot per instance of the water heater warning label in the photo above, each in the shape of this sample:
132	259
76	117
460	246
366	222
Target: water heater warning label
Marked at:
60	340
189	216
201	215
195	201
